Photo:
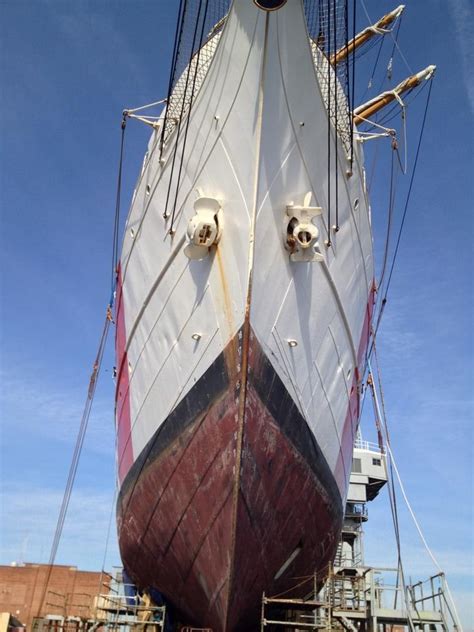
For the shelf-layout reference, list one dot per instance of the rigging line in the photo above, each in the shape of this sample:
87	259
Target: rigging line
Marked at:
402	489
117	212
409	189
145	107
306	578
161	175
372	126
372	167
400	569
319	35
401	53
369	85
366	13
366	135
403	168
395	41
365	48
423	539
328	5
183	105
177	39
381	289
414	93
109	527
76	456
391	111
336	105
385	116
347	81
405	142
388	72
353	80
391	204
407	201
381	424
191	101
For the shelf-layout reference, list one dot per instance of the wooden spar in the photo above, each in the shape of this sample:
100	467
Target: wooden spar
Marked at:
366	110
366	35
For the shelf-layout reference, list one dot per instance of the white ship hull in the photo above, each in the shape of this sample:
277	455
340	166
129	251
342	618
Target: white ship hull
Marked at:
238	374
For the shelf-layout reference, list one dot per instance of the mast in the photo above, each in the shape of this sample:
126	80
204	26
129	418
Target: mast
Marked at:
379	28
366	110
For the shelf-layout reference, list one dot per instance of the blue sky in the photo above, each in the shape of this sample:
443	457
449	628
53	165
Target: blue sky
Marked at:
67	71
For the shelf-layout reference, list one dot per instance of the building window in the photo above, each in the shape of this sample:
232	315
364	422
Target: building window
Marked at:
357	466
376	462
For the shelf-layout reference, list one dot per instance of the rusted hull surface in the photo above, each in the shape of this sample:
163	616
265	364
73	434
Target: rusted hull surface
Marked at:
283	507
210	526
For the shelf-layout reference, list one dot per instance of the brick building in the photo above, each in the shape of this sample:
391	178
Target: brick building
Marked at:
70	591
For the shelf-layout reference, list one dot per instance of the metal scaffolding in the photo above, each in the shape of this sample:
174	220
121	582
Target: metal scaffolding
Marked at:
356	597
119	608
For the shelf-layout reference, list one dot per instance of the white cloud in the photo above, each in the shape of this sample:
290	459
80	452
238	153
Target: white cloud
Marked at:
78	28
463	16
28	521
29	400
417	562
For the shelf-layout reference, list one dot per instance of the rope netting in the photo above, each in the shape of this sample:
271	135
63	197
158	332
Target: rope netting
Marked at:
198	32
193	14
328	28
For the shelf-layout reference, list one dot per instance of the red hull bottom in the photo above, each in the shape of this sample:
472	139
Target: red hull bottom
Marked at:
215	506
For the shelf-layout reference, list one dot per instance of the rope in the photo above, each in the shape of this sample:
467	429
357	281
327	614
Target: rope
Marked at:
369	20
404	494
392	496
109	527
369	85
148	105
364	136
372	168
177	39
336	107
183	105
391	112
390	65
395	41
329	121
407	201
391	204
152	121
93	379
409	189
322	572
347	63
423	539
196	70
293	588
117	212
403	167
76	455
353	80
107	539
389	70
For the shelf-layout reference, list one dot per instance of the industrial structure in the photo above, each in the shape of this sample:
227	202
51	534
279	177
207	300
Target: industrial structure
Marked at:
355	596
40	598
69	591
350	595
